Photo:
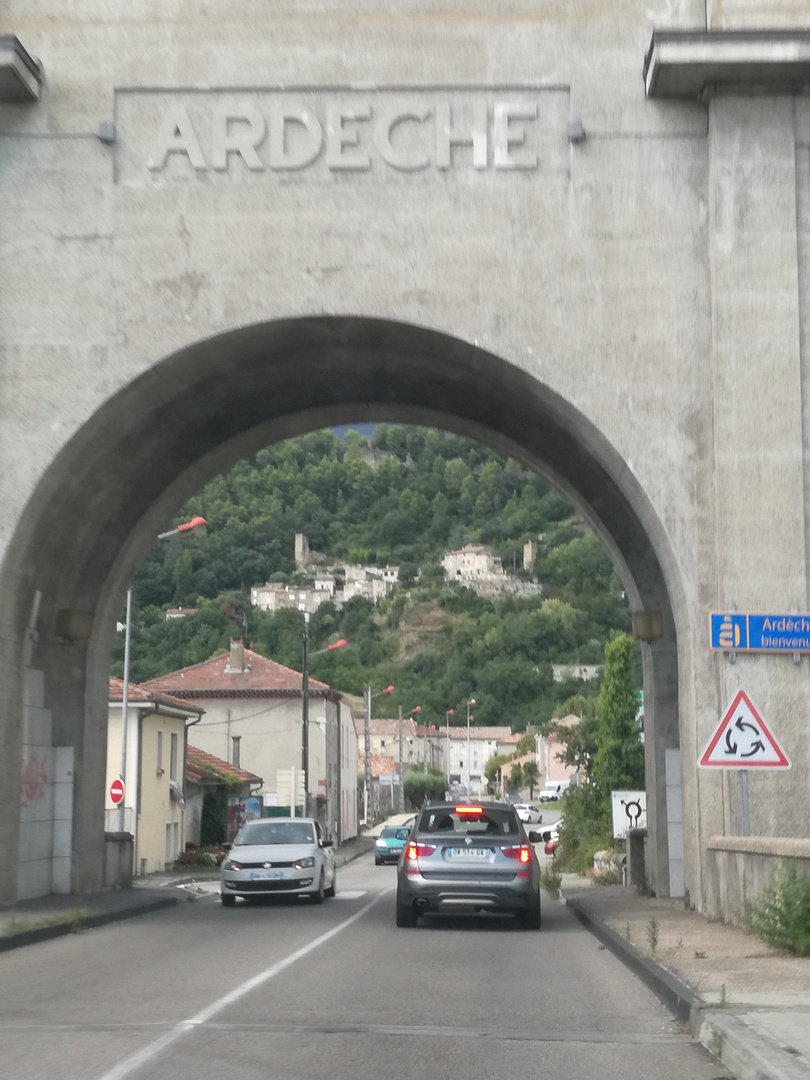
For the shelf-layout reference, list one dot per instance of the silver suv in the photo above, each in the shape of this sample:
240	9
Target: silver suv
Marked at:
469	857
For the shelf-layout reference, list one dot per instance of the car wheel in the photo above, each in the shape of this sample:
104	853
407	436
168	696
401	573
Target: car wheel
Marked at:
406	915
530	918
227	900
318	897
377	862
330	892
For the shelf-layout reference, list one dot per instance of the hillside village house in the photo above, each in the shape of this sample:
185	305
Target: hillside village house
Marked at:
253	719
156	738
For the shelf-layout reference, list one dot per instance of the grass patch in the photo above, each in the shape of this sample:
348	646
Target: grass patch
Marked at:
550	880
72	918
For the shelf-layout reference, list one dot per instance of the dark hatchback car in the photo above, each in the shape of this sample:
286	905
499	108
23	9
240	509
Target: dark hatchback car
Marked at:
469	857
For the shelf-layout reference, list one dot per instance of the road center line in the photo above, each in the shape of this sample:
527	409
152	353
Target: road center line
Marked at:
135	1061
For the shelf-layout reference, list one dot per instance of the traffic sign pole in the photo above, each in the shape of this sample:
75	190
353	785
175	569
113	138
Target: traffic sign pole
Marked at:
746	821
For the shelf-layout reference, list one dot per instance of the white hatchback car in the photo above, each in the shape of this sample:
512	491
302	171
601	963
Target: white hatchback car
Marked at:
278	857
528	813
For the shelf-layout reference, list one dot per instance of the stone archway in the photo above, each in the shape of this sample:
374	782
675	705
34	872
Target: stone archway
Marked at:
113	486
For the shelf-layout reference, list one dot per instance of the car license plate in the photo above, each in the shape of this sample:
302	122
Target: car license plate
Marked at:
265	875
469	853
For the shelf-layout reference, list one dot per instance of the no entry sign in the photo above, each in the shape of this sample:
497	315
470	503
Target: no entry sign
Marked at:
117	792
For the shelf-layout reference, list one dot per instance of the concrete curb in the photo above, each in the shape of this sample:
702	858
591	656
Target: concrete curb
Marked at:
676	995
88	922
746	1054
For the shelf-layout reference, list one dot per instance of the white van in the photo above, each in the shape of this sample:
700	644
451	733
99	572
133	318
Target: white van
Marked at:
553	790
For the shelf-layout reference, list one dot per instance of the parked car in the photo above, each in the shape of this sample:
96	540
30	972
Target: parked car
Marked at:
279	856
469	857
528	814
388	846
553	790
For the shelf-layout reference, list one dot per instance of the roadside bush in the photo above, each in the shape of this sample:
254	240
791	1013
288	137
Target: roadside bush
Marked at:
586	829
781	914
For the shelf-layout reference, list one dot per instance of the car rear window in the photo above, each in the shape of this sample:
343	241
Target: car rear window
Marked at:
276	832
391	831
472	821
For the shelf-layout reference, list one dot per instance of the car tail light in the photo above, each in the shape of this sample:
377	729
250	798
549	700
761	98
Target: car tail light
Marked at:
521	852
469	809
418	851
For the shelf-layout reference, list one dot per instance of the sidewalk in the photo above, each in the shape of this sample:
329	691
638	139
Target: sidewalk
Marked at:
747	1003
48	917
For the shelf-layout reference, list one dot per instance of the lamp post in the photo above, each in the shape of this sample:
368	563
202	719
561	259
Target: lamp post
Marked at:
401	797
305	711
469	717
184	526
447	715
368	697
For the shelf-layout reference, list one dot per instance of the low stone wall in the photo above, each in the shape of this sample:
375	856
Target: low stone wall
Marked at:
119	851
740	867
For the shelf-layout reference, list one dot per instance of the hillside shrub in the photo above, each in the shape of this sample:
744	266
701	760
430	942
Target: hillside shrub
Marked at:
781	914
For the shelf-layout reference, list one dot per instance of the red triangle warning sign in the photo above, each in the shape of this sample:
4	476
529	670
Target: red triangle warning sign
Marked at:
742	741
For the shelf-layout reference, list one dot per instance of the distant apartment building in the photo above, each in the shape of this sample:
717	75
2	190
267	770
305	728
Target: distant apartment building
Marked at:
549	750
468	758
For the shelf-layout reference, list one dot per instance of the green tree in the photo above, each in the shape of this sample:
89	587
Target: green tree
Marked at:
424	783
531	776
525	744
515	781
618	763
494	766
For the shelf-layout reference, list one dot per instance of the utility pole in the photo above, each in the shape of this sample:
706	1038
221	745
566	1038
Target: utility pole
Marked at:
305	720
401	795
367	735
469	765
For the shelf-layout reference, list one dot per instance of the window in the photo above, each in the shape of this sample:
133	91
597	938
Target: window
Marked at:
173	757
236	758
159	763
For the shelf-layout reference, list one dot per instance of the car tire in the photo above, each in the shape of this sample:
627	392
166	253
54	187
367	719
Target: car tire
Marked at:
227	900
377	862
531	918
330	892
318	896
406	915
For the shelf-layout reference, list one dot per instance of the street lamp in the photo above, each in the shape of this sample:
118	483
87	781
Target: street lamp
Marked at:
184	526
368	698
469	717
305	711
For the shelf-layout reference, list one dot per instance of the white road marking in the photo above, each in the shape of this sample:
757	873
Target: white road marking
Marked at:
350	894
136	1061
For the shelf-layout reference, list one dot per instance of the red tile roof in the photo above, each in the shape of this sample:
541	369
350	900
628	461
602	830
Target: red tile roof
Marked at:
137	692
259	677
381	764
202	766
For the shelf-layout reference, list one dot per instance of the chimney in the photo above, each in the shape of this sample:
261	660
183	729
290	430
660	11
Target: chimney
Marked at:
236	664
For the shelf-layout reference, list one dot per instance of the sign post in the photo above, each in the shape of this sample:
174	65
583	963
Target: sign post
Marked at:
742	741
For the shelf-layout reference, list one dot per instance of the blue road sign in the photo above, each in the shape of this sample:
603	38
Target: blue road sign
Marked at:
734	631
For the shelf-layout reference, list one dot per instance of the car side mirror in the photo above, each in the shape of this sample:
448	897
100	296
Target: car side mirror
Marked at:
327	843
535	837
227	847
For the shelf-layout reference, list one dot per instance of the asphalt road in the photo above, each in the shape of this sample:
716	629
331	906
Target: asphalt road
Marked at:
292	991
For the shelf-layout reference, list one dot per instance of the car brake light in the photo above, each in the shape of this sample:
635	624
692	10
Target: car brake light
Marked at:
419	851
469	809
521	852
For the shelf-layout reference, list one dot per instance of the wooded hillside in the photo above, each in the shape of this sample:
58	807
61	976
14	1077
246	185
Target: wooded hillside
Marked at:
404	496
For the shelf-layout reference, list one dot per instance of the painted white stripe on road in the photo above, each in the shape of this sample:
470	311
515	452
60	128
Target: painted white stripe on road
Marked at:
351	894
136	1061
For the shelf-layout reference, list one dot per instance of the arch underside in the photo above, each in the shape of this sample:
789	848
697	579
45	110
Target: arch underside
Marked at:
140	456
